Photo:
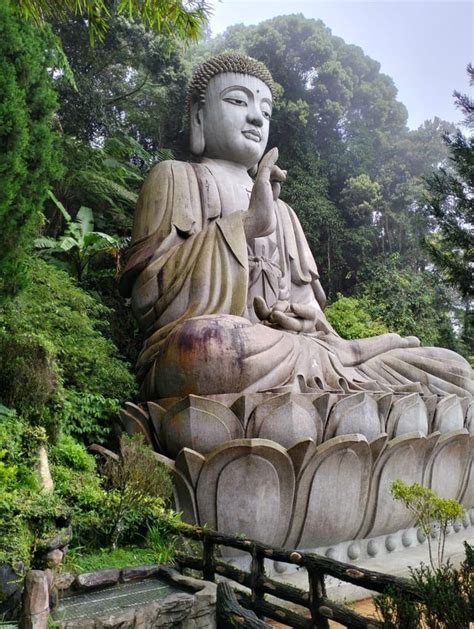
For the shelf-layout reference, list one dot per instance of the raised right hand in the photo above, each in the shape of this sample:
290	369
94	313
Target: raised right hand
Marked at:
260	219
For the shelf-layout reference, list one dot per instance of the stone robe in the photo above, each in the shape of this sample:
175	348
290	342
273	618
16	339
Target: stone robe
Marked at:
192	278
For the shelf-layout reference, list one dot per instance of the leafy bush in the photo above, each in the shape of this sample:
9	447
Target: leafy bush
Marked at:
446	598
350	319
76	480
27	515
141	486
431	511
58	367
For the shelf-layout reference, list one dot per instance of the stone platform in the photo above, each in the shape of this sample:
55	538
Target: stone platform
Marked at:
309	470
397	563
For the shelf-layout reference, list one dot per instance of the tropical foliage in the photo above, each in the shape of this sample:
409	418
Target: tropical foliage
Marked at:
79	243
58	367
182	18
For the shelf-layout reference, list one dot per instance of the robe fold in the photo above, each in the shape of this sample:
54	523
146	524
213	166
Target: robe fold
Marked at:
192	277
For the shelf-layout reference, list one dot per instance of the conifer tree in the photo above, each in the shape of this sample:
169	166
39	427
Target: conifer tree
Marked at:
450	204
28	155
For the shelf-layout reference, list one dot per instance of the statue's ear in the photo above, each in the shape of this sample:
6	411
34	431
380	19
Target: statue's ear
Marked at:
196	127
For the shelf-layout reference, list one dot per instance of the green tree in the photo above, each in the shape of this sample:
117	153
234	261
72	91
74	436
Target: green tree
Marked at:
351	319
182	18
338	125
450	205
29	154
118	82
410	302
430	511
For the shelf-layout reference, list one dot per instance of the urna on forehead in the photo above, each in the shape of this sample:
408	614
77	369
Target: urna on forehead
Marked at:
228	63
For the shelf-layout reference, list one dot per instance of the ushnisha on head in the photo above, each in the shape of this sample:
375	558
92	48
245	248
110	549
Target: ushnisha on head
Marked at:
230	106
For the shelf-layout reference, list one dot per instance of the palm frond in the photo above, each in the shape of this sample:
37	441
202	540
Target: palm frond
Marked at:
85	219
60	206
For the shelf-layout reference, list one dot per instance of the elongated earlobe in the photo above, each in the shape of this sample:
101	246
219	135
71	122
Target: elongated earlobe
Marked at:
197	143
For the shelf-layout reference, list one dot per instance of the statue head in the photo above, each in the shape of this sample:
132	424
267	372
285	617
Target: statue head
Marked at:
230	109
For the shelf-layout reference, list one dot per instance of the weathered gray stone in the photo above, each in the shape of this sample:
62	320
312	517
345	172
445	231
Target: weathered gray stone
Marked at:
199	424
44	473
11	584
467	495
100	578
183	609
448	465
216	253
138	572
449	415
331	493
190	464
64	580
224	282
50	578
286	419
403	458
242	485
358	413
407	414
54	558
135	424
35	608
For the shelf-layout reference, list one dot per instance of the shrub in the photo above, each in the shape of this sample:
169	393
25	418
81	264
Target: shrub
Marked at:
430	511
141	488
58	366
79	485
446	598
351	320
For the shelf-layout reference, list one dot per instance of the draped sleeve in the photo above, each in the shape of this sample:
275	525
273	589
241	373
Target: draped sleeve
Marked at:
186	260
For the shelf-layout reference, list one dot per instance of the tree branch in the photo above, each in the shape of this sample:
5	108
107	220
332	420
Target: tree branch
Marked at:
127	94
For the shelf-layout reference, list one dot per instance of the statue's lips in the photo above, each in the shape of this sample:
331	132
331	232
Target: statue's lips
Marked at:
250	134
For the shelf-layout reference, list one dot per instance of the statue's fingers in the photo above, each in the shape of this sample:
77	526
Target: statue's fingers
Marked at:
268	162
261	309
307	325
276	187
286	322
305	311
413	341
282	305
277	174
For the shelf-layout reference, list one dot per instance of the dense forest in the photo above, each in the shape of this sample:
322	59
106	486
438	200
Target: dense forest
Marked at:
388	213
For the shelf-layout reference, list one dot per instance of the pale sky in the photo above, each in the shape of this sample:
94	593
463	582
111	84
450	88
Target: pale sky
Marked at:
424	46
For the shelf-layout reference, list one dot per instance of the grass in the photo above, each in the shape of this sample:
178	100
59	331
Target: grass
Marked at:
78	560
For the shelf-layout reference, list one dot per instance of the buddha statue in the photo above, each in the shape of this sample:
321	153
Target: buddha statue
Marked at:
221	277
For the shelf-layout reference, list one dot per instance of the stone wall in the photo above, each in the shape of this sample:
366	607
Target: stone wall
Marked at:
193	607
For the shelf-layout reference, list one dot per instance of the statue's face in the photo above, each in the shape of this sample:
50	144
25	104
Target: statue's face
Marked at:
236	118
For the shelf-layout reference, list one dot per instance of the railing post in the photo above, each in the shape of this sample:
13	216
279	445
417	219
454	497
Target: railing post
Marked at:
209	567
317	592
257	572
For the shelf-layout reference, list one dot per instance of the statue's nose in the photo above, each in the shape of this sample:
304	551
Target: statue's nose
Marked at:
255	117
